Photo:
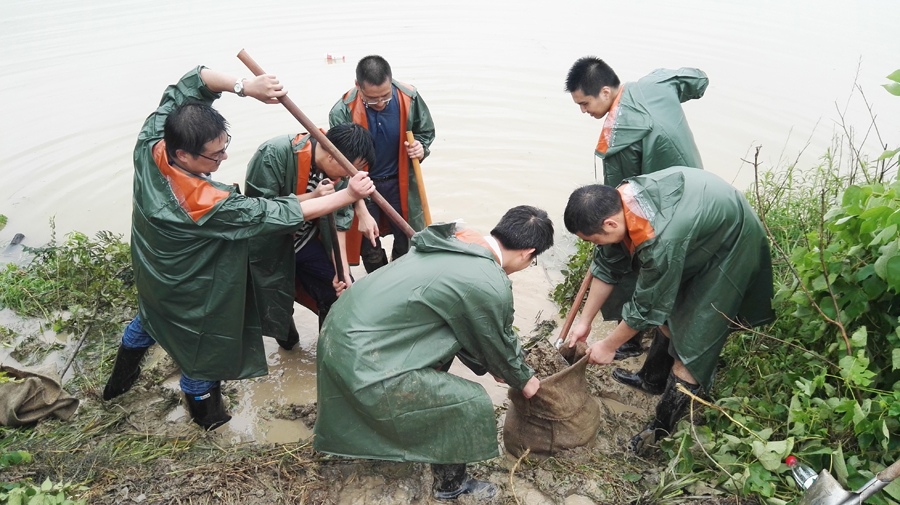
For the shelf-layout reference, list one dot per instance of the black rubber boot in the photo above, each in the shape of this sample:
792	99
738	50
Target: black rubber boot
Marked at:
630	349
652	376
451	481
208	409
125	372
672	406
371	265
293	337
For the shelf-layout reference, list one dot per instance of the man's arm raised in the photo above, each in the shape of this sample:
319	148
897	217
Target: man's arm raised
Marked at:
264	88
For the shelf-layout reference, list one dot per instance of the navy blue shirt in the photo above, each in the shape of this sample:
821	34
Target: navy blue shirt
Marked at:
384	126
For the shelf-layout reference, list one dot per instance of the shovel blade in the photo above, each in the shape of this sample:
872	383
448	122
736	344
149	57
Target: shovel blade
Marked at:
825	491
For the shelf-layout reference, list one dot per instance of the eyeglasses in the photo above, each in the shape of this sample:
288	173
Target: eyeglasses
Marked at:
218	158
534	260
367	103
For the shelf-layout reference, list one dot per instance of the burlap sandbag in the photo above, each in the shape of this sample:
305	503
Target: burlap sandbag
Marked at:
562	415
36	396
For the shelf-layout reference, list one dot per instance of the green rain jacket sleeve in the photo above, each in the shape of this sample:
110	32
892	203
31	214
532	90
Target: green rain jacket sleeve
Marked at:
610	262
662	266
482	322
189	88
690	83
421	124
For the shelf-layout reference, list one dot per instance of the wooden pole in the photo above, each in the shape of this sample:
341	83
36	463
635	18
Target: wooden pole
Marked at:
335	246
420	181
348	167
570	318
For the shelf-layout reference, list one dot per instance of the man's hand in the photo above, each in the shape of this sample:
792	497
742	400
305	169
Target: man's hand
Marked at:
579	331
368	227
600	353
360	185
264	88
339	287
325	187
415	150
531	387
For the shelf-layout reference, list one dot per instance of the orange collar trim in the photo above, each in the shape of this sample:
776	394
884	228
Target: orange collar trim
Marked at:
610	124
195	195
473	237
639	228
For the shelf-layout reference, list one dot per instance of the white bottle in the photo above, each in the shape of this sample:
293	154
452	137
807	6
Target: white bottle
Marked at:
803	474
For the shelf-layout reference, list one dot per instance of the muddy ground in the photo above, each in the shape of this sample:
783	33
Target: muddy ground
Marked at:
142	448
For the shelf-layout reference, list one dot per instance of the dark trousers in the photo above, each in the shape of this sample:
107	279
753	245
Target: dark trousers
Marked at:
315	271
375	256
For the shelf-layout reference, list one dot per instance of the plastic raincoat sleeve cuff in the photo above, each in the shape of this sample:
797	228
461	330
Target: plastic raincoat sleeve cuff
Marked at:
610	263
343	217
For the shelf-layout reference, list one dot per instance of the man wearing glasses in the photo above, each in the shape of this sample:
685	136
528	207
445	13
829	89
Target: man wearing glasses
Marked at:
388	109
382	386
189	245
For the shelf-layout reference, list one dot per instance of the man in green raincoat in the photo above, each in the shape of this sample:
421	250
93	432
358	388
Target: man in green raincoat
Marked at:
388	109
190	247
704	264
299	265
644	130
382	389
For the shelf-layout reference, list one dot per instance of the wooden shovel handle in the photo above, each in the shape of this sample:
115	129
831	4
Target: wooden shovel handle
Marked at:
890	473
420	182
570	318
348	167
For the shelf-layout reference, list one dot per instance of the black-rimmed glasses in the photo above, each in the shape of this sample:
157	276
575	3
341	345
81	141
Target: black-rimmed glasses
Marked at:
218	158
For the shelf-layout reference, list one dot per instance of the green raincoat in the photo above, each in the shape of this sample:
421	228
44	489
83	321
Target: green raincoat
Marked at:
379	395
701	251
190	252
280	167
414	117
645	131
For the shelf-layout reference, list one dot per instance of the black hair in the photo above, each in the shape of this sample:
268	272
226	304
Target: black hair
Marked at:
589	206
590	74
373	70
354	142
190	126
524	227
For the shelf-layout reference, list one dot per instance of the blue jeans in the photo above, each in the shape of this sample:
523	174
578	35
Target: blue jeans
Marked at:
134	337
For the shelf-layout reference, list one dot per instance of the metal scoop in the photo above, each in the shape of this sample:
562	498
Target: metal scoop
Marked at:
826	491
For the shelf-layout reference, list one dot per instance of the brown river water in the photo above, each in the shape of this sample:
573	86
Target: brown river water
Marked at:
78	78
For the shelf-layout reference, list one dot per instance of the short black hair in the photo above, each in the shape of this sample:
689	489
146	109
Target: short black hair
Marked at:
590	74
190	126
589	206
373	70
354	142
524	227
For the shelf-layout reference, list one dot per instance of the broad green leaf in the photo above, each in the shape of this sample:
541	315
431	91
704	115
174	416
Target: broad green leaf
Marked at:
839	466
893	88
47	485
895	76
895	358
2	221
884	236
858	339
888	154
893	489
852	200
771	454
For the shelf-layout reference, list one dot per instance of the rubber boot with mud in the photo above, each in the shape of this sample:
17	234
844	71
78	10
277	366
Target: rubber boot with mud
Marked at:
451	481
208	409
125	372
371	266
293	337
630	349
672	406
652	376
